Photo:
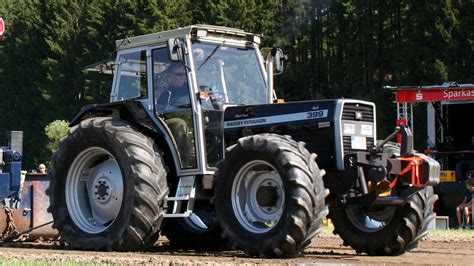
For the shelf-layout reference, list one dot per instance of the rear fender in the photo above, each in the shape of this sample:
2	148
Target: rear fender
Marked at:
131	111
135	113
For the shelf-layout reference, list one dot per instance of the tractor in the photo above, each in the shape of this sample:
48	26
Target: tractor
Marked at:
224	163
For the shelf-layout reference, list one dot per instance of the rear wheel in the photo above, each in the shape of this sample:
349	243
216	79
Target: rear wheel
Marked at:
108	186
269	196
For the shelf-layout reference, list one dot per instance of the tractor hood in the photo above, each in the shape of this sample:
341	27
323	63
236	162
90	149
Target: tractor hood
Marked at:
310	121
254	116
318	123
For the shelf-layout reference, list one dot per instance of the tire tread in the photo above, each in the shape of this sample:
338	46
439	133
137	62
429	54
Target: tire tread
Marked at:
306	197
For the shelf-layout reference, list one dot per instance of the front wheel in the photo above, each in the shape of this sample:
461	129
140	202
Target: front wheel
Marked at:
269	196
385	230
108	186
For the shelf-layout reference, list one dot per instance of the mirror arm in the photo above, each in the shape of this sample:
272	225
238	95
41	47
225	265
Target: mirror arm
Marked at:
269	68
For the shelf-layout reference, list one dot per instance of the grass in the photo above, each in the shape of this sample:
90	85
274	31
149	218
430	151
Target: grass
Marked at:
452	235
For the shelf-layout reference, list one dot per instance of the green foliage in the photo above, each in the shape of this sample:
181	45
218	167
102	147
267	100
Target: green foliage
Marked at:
339	48
55	131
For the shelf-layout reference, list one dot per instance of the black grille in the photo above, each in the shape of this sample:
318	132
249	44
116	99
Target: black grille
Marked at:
348	113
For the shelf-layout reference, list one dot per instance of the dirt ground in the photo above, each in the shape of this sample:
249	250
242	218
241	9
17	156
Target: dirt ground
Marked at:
326	249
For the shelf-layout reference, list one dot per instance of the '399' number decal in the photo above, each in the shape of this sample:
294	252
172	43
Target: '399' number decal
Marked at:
317	114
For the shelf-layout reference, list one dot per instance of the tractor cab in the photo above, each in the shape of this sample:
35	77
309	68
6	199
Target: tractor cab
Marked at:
186	78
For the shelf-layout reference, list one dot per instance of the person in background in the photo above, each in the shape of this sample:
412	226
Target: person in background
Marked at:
41	169
466	206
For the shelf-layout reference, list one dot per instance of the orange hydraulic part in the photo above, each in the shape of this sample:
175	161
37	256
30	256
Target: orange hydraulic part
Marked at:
413	165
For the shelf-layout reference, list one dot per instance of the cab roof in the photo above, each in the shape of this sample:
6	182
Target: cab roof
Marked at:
198	30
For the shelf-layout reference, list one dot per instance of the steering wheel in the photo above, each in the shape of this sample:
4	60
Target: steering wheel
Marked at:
217	96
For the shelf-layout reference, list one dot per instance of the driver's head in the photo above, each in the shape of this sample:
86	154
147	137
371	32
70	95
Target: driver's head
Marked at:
176	75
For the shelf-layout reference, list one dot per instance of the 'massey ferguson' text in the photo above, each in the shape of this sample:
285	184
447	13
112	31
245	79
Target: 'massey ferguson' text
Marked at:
246	122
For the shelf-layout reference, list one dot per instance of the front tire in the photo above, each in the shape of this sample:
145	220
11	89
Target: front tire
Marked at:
269	196
108	187
390	230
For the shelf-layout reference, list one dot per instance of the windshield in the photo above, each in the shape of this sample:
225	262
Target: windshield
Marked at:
229	74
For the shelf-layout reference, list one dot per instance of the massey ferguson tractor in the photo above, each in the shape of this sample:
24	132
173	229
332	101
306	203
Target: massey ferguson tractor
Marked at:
225	164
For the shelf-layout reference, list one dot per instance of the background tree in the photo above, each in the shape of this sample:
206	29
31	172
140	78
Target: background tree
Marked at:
339	48
55	131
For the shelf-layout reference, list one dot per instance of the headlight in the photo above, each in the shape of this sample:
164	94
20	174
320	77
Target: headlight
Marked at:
349	129
366	130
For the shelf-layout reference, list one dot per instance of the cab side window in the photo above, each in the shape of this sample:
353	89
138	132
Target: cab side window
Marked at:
131	80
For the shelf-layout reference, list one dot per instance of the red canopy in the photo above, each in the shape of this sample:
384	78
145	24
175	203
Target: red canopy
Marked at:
448	92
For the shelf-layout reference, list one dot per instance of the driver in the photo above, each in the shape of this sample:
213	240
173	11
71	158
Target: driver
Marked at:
174	92
171	96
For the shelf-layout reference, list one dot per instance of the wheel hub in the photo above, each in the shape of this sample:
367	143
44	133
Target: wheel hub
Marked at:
258	196
102	190
94	190
267	196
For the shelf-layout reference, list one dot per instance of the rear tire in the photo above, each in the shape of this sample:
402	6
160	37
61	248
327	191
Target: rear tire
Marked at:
269	196
108	187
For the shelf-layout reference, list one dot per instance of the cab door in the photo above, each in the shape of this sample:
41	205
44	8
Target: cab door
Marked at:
172	103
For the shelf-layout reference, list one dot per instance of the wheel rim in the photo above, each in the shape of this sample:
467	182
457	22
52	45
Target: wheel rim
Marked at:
370	220
94	190
258	196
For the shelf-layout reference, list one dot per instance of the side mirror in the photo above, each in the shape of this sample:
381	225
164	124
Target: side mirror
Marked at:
175	49
274	66
278	58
